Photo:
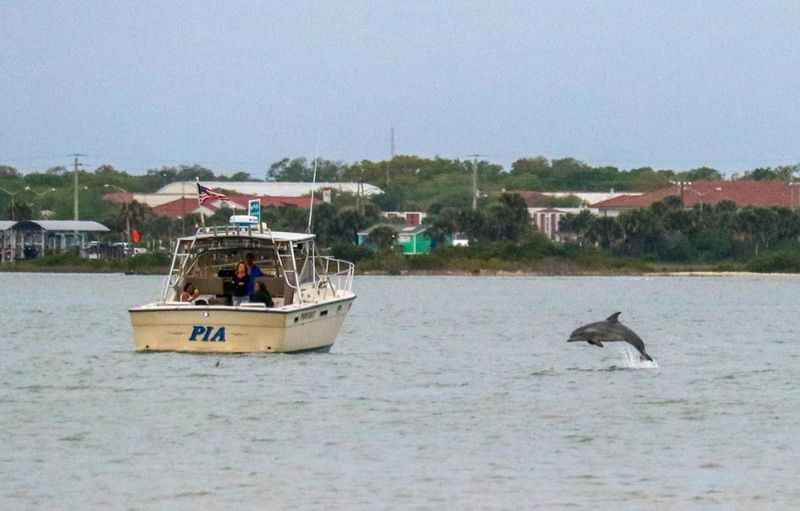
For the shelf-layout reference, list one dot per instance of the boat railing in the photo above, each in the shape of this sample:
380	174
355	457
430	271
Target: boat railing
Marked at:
233	230
336	273
180	257
321	274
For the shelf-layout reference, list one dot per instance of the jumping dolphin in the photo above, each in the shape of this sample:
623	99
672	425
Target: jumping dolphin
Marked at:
609	330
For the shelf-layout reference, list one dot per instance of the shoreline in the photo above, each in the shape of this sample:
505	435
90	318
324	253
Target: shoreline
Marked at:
502	273
163	271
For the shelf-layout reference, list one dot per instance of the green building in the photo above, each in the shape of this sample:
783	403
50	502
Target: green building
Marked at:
414	239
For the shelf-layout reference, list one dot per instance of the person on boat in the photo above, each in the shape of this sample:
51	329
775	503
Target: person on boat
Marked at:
189	293
253	272
240	279
261	295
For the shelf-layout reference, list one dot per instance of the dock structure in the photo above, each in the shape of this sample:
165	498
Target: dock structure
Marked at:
30	239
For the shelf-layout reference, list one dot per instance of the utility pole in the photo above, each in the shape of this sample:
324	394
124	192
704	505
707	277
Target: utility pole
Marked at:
388	164
359	199
76	198
475	179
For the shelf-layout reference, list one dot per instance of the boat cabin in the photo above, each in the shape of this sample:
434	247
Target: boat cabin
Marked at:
209	259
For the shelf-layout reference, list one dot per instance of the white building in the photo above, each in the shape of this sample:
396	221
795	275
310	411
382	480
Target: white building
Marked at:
188	189
590	197
547	219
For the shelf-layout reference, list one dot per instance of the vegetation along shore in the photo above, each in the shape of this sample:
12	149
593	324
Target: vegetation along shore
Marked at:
687	229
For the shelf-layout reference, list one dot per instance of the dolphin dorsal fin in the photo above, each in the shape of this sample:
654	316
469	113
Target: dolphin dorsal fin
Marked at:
614	318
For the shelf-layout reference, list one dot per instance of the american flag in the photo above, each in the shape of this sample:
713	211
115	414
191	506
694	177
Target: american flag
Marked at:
205	194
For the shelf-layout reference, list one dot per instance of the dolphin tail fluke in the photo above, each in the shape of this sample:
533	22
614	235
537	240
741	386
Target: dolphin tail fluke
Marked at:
646	357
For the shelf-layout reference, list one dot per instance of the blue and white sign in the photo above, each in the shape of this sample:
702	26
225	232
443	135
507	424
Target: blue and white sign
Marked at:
243	220
254	209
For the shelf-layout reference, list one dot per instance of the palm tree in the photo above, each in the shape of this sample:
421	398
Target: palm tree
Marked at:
643	228
383	237
132	214
785	172
577	224
444	225
758	225
605	231
18	210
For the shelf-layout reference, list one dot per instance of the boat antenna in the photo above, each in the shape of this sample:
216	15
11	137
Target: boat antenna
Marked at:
313	182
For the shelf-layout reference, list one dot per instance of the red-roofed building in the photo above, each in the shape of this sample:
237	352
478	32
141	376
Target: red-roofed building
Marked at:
184	206
119	197
269	201
743	193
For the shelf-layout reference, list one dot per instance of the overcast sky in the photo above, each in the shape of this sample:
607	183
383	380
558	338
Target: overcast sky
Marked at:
237	85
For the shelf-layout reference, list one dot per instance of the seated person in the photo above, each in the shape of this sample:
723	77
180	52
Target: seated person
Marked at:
189	293
261	295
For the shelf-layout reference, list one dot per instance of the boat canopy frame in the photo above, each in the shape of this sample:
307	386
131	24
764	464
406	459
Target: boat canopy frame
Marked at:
315	273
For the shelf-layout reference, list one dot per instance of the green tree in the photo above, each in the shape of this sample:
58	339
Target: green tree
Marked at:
578	225
242	176
605	231
131	215
762	174
444	225
473	224
327	225
643	228
786	172
758	225
287	218
382	237
19	211
220	217
701	174
351	221
537	166
513	216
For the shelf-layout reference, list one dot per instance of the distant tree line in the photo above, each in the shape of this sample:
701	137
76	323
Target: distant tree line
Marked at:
666	231
439	186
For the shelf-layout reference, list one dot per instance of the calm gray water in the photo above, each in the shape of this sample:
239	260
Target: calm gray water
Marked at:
440	392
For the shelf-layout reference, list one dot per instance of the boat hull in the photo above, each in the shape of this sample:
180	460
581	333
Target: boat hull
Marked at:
221	329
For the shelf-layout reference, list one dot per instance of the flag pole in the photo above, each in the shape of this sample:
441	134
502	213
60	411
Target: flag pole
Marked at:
199	204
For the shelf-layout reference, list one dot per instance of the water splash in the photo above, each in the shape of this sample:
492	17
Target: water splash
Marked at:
633	360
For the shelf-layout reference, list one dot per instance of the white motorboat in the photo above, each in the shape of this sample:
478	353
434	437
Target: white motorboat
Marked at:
311	295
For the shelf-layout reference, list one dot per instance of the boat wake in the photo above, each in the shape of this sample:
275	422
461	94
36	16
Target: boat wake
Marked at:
633	359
